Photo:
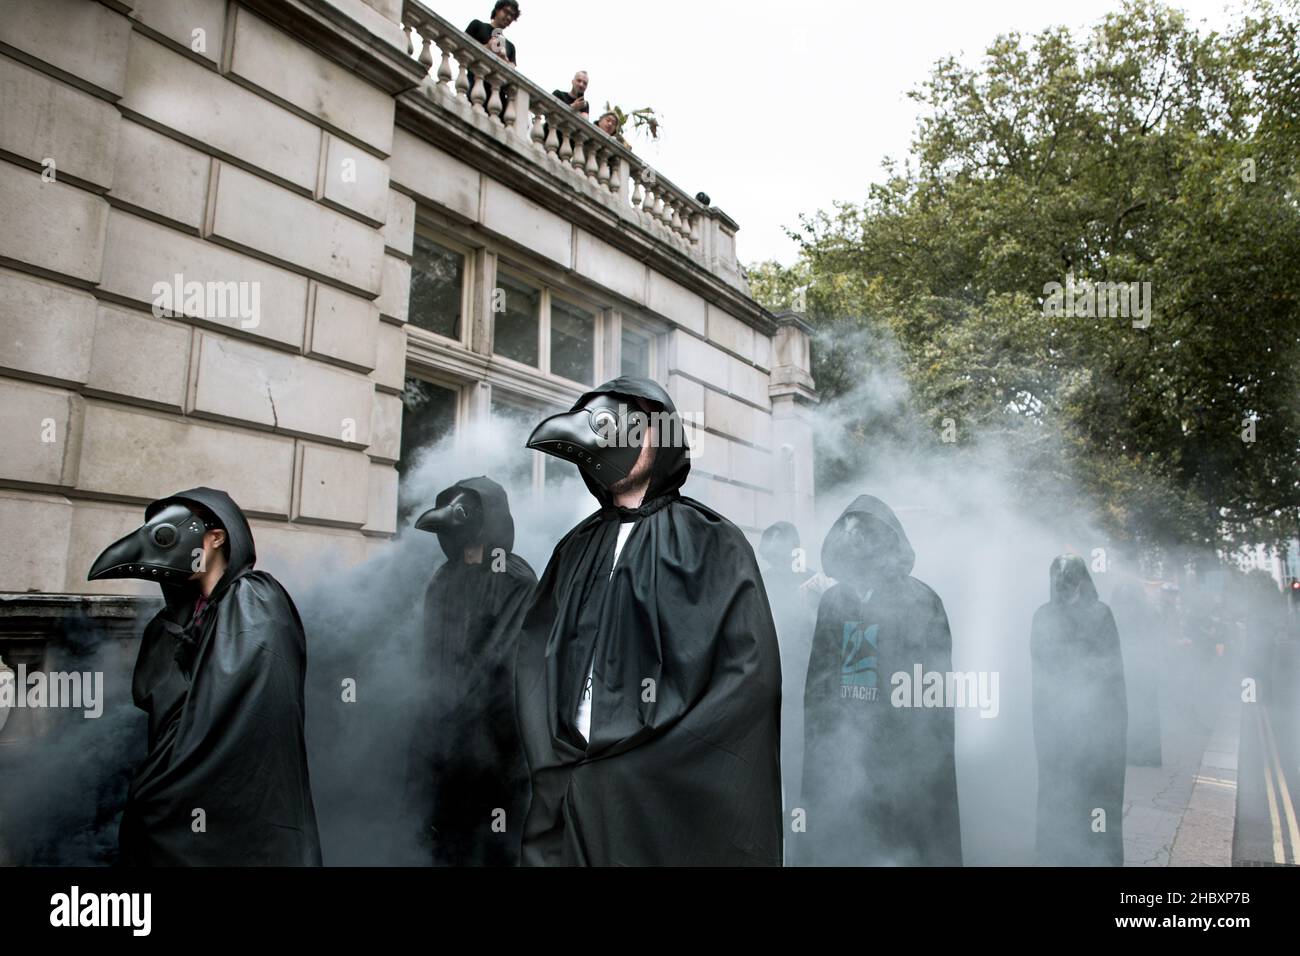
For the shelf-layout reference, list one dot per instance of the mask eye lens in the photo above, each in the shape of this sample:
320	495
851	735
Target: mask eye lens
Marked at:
164	535
603	420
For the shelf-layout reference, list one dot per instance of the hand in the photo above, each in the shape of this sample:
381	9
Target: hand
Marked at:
579	104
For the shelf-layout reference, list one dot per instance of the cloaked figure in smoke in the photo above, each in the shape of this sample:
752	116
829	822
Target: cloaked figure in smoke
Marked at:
220	674
1139	629
880	779
791	591
1080	723
468	781
649	677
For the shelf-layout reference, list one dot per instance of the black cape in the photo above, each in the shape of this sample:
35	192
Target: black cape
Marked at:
683	765
468	764
1140	639
1080	718
224	698
880	782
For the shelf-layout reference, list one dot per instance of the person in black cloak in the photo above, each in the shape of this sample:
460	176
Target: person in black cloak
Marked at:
1080	723
649	676
880	778
1140	642
220	674
794	609
468	780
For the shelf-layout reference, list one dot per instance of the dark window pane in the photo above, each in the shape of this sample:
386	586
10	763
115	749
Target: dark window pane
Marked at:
573	341
437	281
428	416
515	331
636	355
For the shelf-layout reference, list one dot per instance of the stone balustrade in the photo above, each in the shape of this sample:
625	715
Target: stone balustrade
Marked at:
466	75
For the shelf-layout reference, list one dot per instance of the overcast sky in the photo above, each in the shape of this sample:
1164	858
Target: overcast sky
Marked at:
773	109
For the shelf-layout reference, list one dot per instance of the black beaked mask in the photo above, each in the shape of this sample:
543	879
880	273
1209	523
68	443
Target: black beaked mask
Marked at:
457	520
603	437
168	548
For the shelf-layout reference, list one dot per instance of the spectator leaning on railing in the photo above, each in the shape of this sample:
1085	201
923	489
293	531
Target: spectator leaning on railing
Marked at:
491	34
576	98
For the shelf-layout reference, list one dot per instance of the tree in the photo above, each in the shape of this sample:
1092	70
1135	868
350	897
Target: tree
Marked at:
1142	152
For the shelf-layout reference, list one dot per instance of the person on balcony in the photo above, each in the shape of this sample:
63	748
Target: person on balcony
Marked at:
490	34
576	98
609	125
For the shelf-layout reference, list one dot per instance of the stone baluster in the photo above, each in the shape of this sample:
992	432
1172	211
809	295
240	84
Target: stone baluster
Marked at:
494	105
638	196
538	132
594	163
579	159
446	47
618	178
602	169
566	148
553	140
462	78
478	95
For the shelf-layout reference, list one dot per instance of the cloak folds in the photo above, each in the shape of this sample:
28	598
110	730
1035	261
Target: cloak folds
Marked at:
1080	723
224	696
683	763
880	781
468	762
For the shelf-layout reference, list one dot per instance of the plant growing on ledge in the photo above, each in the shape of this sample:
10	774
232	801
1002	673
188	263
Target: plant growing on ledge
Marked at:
644	120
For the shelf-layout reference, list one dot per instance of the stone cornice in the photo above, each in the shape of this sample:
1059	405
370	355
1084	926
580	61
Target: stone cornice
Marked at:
374	49
500	154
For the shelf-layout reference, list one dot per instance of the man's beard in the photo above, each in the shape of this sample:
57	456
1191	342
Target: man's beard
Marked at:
638	477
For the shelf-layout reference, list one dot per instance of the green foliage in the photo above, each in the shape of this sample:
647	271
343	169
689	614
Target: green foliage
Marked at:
1143	151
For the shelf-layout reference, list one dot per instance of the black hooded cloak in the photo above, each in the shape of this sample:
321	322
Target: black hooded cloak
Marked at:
683	763
880	781
468	762
1080	723
1140	639
224	697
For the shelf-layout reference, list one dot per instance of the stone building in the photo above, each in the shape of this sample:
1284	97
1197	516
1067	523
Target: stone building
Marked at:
241	237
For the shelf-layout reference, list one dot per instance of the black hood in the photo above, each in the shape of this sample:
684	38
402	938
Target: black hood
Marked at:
778	545
1067	571
242	553
672	462
838	555
498	526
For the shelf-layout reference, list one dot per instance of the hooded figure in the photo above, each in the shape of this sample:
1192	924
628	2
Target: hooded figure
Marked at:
469	769
794	608
1140	639
1080	723
880	778
649	677
220	674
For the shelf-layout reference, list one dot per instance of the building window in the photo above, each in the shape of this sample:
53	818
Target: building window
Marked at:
573	342
636	356
428	416
517	326
437	301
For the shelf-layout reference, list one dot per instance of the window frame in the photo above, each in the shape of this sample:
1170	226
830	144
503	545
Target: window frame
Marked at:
600	315
467	253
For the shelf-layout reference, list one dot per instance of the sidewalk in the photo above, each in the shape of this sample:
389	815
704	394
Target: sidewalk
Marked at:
1182	813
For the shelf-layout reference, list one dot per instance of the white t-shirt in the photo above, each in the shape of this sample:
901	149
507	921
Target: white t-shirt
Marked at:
584	702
